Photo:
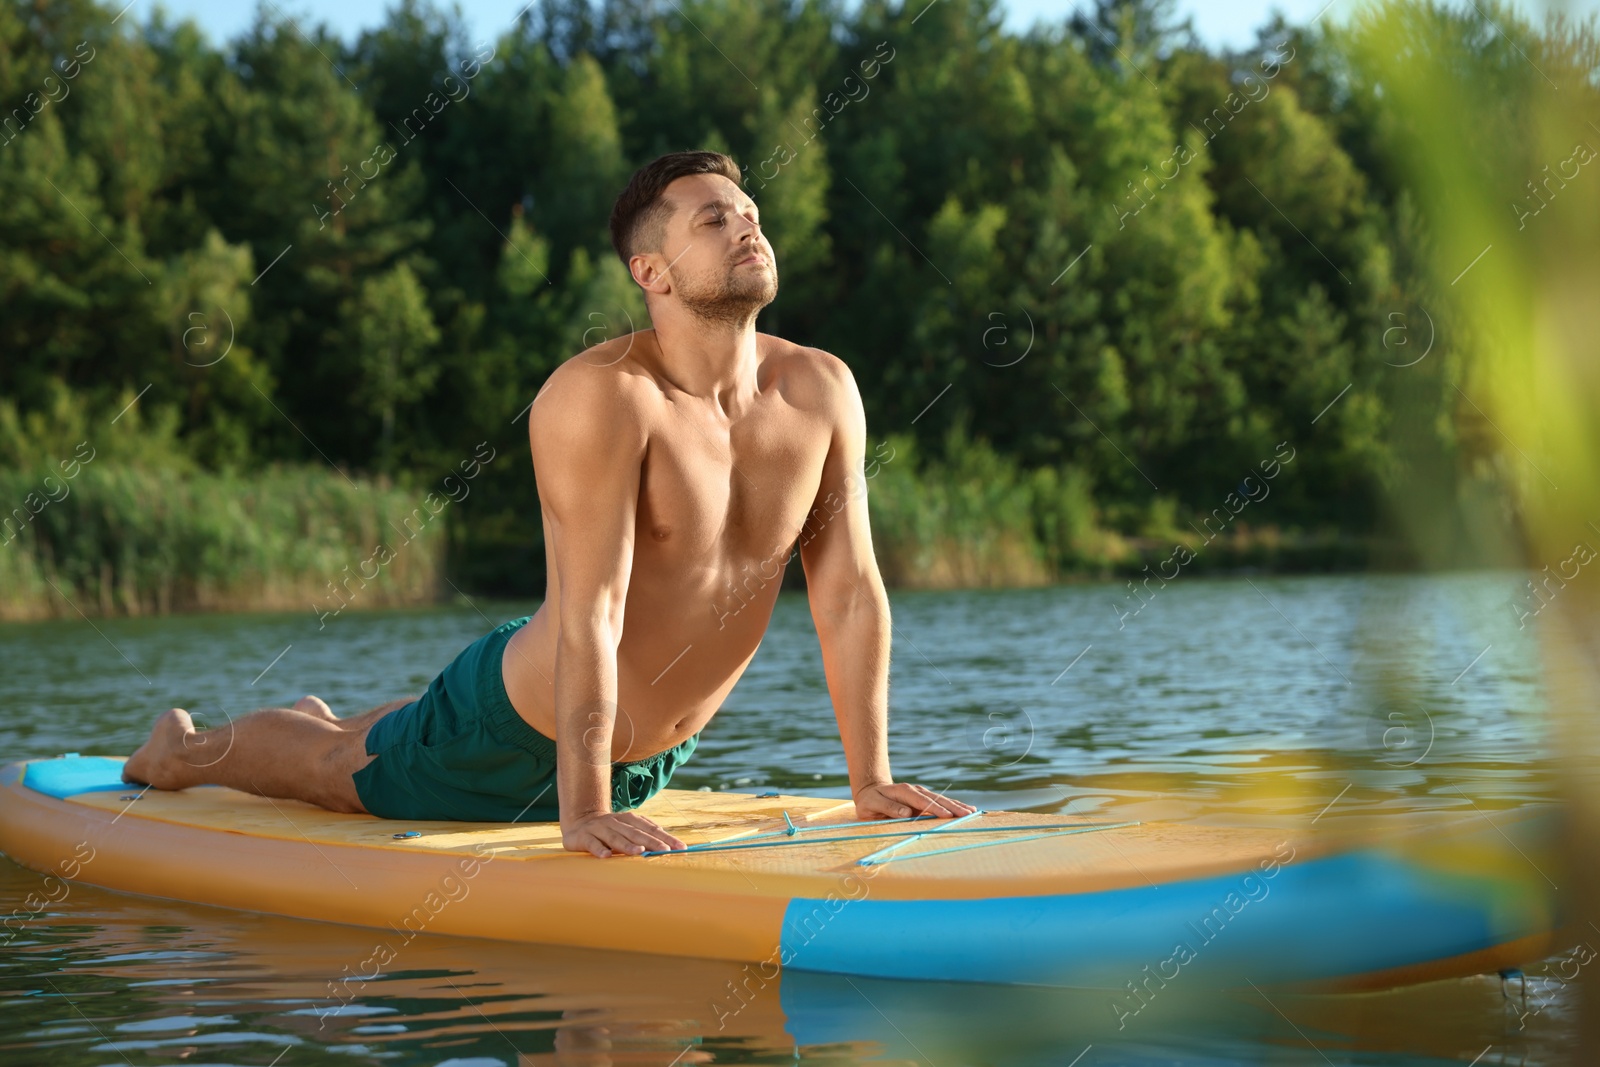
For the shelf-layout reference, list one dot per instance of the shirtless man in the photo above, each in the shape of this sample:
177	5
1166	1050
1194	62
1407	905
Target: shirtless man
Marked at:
676	467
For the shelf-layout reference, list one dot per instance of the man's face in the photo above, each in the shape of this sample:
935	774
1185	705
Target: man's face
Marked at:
714	229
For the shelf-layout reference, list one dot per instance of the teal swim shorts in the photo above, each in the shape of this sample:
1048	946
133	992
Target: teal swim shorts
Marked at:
461	751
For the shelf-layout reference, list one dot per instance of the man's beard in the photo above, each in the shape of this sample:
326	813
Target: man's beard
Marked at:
731	299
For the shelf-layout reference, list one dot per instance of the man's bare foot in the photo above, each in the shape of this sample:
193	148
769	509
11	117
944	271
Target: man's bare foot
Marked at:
160	761
315	706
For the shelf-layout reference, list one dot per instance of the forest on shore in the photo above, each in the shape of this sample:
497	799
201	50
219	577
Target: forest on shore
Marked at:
274	309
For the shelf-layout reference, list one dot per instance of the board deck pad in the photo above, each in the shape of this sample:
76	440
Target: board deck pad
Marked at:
1132	855
73	774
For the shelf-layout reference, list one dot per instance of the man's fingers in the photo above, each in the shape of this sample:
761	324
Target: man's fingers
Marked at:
887	806
649	834
621	842
611	843
903	800
911	799
944	806
925	801
634	835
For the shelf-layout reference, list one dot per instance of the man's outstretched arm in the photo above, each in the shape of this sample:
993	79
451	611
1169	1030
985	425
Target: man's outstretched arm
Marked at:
588	444
851	612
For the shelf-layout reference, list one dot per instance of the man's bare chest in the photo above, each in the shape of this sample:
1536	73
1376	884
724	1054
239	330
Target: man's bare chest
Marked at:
715	491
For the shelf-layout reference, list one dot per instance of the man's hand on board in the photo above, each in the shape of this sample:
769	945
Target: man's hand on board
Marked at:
899	800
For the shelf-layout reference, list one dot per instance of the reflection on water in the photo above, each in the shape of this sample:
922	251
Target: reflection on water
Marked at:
1260	701
105	978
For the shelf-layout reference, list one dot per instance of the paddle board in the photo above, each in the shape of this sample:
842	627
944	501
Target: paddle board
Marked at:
794	882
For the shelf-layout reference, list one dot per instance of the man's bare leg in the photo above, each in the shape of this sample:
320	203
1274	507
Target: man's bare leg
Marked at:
314	705
274	752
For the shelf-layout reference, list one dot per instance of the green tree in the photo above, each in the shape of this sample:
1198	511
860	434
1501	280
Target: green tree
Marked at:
391	332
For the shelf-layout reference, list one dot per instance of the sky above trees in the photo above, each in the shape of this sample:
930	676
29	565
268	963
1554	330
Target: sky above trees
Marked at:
1219	23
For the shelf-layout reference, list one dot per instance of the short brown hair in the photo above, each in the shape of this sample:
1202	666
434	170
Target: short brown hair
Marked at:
639	217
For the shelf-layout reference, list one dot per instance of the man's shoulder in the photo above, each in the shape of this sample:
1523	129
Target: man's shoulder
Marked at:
596	390
817	359
818	368
602	374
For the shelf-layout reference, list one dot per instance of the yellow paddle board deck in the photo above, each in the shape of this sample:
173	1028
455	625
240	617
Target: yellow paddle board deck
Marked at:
1004	897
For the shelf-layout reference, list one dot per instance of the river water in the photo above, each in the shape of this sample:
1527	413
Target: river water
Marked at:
1245	700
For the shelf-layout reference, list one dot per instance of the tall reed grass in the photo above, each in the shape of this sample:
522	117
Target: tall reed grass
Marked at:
119	539
972	517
